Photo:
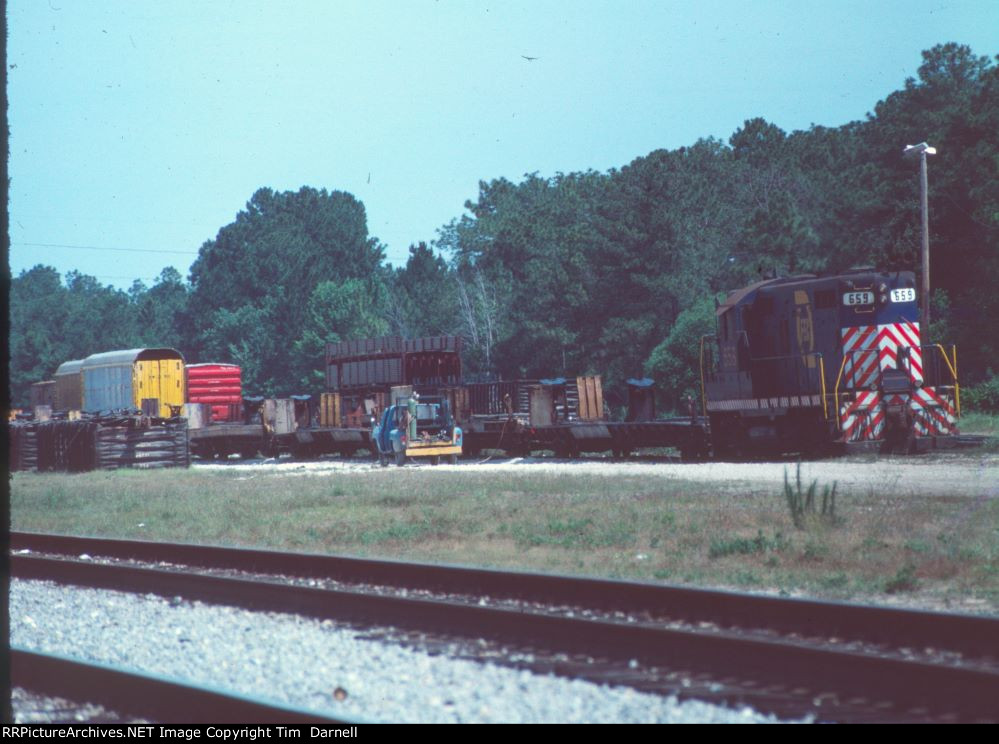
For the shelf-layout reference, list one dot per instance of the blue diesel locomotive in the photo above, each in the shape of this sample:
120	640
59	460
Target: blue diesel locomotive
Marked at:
803	362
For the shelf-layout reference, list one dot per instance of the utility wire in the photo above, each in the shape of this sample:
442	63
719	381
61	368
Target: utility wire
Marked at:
969	215
132	278
103	248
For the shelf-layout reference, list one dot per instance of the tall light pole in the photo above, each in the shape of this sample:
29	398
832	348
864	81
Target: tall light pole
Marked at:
921	151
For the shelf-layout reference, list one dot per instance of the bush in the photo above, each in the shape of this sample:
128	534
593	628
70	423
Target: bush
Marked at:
675	363
982	397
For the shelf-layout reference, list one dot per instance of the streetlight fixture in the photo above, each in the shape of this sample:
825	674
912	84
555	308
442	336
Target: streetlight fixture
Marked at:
921	151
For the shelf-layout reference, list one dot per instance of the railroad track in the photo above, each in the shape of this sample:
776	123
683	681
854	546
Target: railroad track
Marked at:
794	658
109	694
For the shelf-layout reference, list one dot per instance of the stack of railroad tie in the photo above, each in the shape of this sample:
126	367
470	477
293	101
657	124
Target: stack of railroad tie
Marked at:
105	441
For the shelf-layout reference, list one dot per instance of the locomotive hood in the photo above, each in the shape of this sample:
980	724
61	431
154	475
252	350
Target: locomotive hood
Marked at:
741	295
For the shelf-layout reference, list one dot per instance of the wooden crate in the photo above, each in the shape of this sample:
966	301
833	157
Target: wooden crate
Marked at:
330	411
591	398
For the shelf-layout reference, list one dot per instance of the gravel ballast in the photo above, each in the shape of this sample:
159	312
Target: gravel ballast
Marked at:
302	662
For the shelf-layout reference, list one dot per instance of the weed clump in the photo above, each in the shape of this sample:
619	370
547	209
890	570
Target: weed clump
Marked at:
903	581
802	503
747	545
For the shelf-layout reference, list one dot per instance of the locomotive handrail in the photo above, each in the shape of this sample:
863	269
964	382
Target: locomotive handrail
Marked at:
951	366
839	377
818	355
822	376
957	387
953	372
785	356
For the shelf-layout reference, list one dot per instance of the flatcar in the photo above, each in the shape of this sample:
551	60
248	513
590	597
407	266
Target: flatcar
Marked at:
804	362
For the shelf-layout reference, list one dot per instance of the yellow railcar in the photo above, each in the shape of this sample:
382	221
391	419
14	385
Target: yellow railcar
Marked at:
124	379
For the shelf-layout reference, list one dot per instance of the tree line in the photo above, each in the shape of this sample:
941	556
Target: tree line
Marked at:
611	273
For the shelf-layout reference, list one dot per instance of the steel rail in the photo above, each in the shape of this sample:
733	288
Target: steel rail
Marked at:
970	634
960	692
153	697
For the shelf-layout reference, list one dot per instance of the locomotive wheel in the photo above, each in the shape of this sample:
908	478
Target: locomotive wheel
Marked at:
692	453
435	460
728	437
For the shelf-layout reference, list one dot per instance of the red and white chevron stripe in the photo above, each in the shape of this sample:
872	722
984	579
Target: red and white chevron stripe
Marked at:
870	349
860	350
863	418
933	413
932	410
898	348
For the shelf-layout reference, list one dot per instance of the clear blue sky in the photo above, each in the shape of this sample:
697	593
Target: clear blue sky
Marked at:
147	125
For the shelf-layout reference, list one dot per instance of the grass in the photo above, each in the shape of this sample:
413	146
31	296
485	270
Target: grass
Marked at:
921	547
981	423
721	547
904	581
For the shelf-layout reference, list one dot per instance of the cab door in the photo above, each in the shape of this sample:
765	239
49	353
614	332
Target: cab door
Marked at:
146	382
171	384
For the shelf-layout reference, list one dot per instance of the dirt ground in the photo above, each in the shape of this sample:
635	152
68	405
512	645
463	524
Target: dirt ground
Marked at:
951	474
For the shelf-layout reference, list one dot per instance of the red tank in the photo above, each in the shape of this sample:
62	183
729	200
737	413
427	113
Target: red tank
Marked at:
221	385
